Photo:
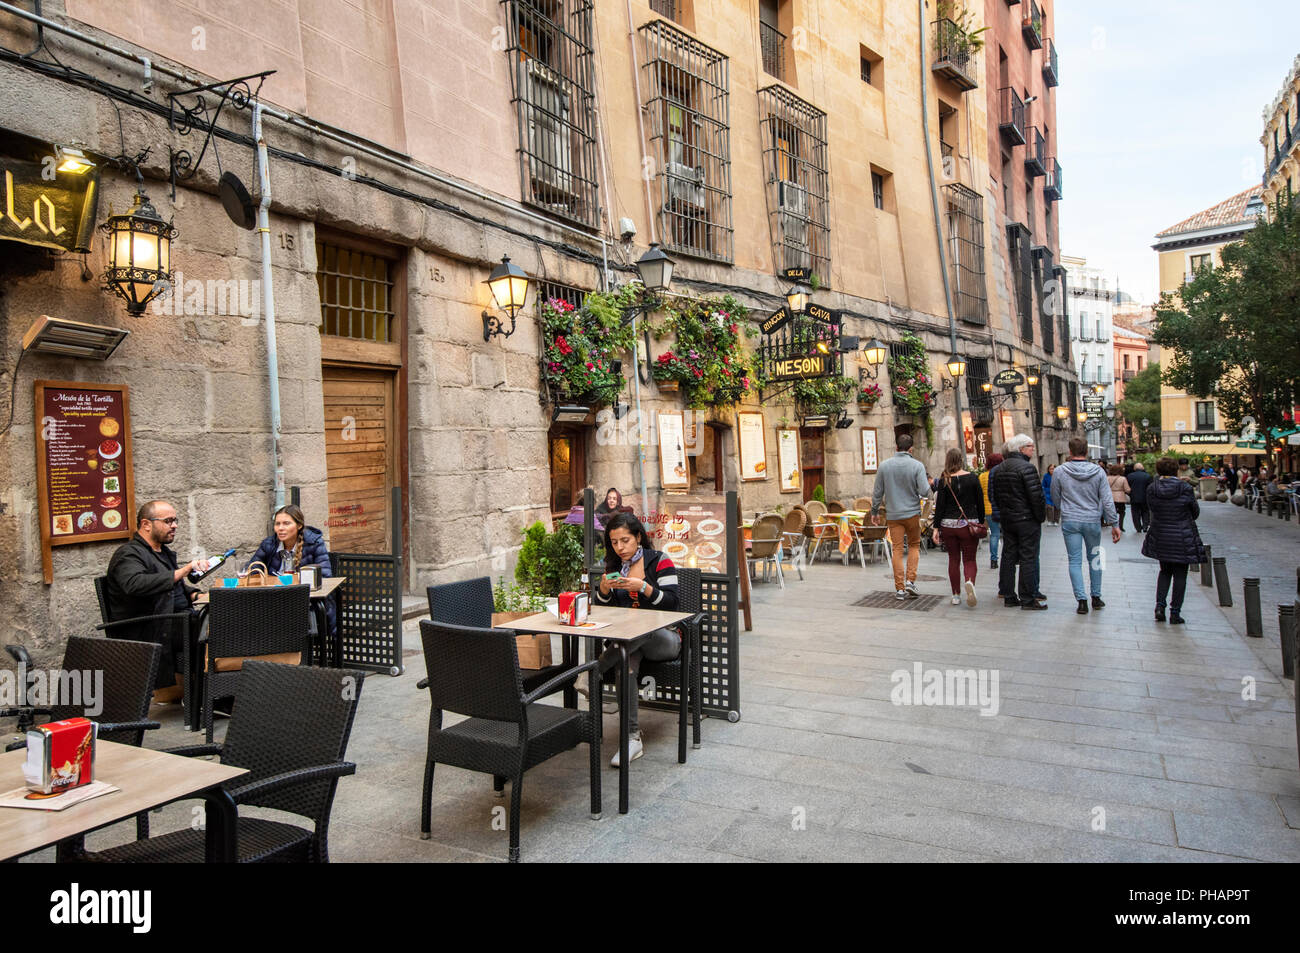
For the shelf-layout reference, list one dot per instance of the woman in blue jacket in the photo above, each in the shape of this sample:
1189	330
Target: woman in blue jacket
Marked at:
294	545
1047	497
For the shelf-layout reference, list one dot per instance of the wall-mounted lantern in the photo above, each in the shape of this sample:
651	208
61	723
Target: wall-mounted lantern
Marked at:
139	255
509	285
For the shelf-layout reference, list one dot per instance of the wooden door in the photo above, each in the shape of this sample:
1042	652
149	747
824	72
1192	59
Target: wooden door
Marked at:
568	459
812	459
359	457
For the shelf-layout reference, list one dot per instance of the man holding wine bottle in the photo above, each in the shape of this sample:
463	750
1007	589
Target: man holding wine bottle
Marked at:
145	579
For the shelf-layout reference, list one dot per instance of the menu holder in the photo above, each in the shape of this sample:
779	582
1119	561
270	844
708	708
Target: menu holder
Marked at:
309	576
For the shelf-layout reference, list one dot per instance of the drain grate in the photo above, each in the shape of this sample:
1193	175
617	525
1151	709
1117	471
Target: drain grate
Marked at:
887	600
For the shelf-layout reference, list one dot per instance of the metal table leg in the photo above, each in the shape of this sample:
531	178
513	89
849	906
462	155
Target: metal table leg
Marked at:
625	689
220	818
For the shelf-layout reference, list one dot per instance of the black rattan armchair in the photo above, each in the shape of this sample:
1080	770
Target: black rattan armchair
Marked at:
291	732
682	674
248	622
469	602
475	672
159	629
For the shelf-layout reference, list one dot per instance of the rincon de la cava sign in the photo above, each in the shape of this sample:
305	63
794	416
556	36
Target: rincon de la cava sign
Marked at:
800	368
779	319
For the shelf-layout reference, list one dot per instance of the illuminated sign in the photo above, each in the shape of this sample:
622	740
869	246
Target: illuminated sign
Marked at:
799	368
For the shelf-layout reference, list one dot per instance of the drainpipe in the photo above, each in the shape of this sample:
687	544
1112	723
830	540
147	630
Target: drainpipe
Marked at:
938	224
268	300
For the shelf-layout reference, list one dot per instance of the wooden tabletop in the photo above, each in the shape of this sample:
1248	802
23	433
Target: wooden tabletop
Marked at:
327	587
624	624
146	779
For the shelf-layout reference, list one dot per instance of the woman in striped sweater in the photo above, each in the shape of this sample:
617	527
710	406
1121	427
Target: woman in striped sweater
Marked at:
643	578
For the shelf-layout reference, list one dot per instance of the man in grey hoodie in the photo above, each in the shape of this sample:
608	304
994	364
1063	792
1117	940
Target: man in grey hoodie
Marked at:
1082	492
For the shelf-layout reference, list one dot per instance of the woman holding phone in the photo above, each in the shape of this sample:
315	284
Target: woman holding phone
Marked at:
638	576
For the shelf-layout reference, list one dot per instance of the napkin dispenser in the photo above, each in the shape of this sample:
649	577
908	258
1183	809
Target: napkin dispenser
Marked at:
573	607
60	755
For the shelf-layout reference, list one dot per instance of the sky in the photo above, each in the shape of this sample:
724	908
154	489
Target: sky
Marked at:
1159	116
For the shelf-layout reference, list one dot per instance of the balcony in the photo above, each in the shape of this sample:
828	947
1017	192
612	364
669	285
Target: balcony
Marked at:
1036	154
1011	116
1052	184
773	43
1031	25
954	58
1085	334
1283	150
1129	375
1104	378
1050	75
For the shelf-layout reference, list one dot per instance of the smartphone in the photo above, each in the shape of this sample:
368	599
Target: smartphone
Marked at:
611	576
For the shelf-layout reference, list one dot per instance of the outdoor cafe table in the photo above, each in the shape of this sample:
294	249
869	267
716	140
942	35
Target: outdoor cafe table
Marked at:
624	625
146	779
318	597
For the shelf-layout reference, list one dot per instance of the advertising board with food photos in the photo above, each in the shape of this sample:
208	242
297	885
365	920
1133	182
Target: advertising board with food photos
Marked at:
752	446
692	535
83	464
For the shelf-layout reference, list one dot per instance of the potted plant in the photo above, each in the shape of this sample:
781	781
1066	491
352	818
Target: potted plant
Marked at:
823	395
869	395
914	389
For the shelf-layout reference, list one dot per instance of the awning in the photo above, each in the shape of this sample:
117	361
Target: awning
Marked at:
1280	432
1211	450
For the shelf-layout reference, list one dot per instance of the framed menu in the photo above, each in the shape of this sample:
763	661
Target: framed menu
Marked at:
787	459
673	472
870	450
752	446
84	487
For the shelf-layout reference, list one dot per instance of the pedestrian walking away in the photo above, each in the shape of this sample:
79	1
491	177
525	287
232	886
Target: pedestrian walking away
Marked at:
1016	490
1138	481
958	521
1047	496
1084	497
1119	490
901	484
1172	539
991	514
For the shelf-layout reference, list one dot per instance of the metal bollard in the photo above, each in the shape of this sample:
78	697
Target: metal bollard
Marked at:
1254	617
1206	568
1286	628
1221	580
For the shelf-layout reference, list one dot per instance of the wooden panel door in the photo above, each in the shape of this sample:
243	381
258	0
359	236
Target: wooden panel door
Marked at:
812	457
359	456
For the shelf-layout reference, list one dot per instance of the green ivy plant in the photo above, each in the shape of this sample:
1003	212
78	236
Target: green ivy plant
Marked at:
824	395
913	388
708	359
819	493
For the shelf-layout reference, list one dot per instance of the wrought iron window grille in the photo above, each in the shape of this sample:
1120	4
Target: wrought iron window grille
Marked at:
966	253
797	180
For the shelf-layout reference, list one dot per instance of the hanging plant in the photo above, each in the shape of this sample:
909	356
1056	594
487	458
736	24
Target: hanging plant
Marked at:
582	344
869	395
824	395
708	360
914	389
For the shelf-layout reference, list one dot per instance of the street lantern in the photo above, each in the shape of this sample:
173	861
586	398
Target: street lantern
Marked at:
1110	411
1081	416
656	269
956	366
797	297
1145	423
1031	377
987	387
139	254
1062	412
509	286
875	352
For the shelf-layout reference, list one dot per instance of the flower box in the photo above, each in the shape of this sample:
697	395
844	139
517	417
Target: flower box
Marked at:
668	387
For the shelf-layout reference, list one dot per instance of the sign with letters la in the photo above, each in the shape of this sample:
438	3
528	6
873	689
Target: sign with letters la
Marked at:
41	205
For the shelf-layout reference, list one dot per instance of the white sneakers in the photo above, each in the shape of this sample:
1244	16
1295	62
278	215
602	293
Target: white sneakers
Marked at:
910	588
956	600
634	750
971	600
900	595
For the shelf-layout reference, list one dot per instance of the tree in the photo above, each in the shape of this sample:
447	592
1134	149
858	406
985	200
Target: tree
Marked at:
1142	402
1233	330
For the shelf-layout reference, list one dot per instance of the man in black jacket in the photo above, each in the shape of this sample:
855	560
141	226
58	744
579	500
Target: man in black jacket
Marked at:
144	579
1017	492
1138	481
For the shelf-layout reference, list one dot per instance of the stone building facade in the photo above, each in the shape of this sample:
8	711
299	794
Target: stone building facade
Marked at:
412	146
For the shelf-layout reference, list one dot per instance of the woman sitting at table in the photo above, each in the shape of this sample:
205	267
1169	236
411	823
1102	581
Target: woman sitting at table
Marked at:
294	545
646	579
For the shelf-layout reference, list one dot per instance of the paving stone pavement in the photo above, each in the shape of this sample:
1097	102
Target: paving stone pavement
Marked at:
1115	738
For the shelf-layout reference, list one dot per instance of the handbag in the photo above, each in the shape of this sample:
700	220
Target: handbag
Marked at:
978	530
257	575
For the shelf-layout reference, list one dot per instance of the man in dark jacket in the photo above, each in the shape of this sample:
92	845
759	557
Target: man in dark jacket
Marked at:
1016	491
1138	481
144	579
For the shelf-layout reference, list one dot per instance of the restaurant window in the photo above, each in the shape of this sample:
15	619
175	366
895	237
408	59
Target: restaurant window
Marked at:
688	104
1205	415
966	253
1125	362
1056	390
1073	389
553	83
548	290
1036	402
356	293
796	171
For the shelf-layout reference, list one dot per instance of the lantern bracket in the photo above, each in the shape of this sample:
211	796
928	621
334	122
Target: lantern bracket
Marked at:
202	114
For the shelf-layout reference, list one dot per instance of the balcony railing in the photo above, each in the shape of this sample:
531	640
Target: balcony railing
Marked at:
1129	375
945	149
1283	150
1011	116
1085	334
1103	377
1036	154
1031	25
954	57
773	42
1052	184
1050	75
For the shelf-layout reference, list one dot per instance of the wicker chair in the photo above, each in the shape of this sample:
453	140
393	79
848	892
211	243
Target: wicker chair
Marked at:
862	504
766	547
683	673
294	764
475	672
247	623
159	629
818	529
794	539
834	506
469	603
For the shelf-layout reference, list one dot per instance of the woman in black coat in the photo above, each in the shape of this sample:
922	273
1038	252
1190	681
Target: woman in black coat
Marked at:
294	545
1172	537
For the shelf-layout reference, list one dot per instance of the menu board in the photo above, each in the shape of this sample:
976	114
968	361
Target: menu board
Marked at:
752	446
787	459
692	535
83	464
870	450
673	472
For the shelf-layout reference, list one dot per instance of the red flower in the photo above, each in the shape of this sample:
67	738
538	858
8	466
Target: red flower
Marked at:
734	329
590	365
697	372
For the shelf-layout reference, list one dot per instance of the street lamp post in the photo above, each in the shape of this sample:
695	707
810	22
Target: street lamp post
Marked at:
656	272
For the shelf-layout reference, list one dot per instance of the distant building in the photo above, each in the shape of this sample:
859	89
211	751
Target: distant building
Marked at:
1130	350
1281	140
1089	307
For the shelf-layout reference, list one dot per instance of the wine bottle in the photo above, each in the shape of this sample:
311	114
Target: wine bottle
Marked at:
195	576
